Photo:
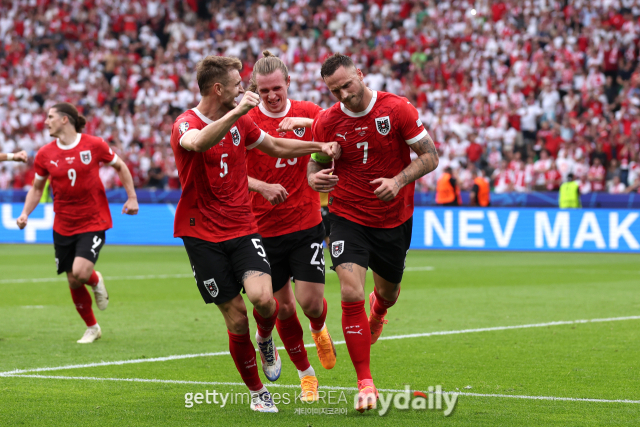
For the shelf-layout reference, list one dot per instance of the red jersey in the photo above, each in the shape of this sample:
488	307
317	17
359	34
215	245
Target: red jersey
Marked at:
214	204
375	144
79	200
301	210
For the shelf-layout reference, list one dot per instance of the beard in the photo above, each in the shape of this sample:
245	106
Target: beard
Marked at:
355	99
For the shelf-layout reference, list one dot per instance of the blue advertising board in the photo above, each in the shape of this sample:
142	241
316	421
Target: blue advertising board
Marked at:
516	229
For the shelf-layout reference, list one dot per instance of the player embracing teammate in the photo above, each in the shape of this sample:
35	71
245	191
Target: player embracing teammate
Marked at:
371	204
214	217
289	220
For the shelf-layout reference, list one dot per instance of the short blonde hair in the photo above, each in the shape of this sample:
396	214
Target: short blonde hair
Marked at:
215	69
265	66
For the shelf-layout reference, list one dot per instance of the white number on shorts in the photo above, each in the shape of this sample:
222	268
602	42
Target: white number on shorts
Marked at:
292	162
223	165
72	176
261	252
318	247
366	150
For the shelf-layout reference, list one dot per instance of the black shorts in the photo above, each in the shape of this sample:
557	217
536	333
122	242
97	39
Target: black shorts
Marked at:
218	267
83	245
298	255
384	250
325	220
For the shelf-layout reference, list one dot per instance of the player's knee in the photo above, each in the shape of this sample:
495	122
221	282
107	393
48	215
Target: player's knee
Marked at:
312	307
286	309
81	276
73	282
351	292
238	325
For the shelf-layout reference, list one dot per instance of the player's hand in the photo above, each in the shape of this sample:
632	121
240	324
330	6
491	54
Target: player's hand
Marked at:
388	189
322	181
20	157
291	123
274	193
22	221
248	101
130	207
332	149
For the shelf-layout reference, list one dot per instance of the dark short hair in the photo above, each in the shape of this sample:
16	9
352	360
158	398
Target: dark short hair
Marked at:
332	63
67	109
215	69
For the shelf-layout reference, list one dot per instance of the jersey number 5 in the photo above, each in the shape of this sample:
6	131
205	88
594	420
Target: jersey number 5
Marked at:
366	150
223	165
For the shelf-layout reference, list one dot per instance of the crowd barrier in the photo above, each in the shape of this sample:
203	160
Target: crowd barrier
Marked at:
533	200
515	229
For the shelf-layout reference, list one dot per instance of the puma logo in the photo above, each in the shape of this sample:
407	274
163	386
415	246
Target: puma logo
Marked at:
359	332
55	163
342	136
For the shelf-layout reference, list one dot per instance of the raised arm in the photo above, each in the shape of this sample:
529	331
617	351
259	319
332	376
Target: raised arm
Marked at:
290	148
426	162
212	134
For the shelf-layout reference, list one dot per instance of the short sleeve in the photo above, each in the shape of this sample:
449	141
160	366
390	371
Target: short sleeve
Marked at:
183	125
312	110
317	129
106	154
254	135
411	127
40	166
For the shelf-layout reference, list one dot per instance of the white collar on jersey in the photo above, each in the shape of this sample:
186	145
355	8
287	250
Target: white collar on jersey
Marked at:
361	113
275	115
71	146
204	118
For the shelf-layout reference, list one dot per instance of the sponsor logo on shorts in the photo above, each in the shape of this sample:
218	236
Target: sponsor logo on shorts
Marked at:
212	287
383	125
337	248
299	132
85	157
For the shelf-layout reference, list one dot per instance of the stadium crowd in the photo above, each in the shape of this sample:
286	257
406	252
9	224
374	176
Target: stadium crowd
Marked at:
527	91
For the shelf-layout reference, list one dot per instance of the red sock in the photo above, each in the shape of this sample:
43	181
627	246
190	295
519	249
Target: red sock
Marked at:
318	322
244	355
93	280
82	300
290	333
355	326
265	326
381	305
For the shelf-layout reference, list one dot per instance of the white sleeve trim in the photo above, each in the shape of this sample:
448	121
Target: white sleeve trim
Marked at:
182	137
113	162
258	142
40	177
417	138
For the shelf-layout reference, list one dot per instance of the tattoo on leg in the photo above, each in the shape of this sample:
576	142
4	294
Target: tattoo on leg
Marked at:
251	273
347	266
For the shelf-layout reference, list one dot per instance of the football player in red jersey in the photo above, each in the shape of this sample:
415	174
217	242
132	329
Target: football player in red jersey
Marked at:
80	203
372	203
214	217
289	220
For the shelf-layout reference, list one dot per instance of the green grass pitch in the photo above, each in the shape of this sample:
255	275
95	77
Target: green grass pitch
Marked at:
156	311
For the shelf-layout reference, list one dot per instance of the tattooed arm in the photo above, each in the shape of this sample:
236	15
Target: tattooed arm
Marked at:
426	162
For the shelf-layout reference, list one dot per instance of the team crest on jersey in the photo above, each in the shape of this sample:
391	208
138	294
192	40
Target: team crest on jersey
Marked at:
383	125
85	157
299	132
212	287
183	127
337	248
235	136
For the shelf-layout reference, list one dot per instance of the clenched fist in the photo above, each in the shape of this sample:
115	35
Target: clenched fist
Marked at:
249	100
